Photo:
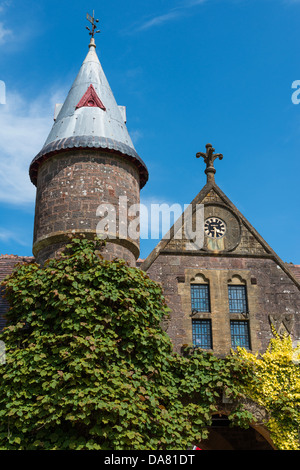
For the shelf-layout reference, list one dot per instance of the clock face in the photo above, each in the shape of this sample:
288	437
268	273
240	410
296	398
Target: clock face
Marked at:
214	227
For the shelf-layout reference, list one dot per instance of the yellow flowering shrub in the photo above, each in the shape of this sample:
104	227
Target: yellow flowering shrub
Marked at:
277	388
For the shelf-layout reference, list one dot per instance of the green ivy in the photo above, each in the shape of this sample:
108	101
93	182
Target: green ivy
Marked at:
88	365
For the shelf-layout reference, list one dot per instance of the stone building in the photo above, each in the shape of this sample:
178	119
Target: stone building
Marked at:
233	290
87	159
229	291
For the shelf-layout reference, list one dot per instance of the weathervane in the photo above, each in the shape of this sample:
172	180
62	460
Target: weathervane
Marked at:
92	20
209	158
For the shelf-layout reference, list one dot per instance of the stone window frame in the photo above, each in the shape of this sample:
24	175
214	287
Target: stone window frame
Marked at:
238	298
200	278
238	280
203	284
219	315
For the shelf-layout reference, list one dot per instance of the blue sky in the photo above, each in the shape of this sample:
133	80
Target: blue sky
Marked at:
189	72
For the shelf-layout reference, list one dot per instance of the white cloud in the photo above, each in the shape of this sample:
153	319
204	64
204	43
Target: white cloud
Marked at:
183	8
11	236
173	14
24	127
4	4
136	135
4	33
160	19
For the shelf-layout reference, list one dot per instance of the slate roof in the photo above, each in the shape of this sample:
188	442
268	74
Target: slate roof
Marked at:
90	126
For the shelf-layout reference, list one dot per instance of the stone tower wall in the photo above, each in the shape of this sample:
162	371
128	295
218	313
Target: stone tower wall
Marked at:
70	187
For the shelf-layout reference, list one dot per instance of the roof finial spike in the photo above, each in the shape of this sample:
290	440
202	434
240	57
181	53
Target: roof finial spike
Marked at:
209	158
93	30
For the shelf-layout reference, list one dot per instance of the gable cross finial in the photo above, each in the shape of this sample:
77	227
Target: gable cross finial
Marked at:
209	158
92	20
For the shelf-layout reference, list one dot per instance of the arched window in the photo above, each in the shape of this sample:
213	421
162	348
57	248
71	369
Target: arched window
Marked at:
238	310
200	306
237	295
200	295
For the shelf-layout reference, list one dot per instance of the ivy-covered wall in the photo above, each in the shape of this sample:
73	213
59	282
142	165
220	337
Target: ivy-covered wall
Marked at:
88	365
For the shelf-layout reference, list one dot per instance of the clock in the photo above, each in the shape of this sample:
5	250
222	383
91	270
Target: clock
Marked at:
214	227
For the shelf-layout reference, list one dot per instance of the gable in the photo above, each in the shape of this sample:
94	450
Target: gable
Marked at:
239	240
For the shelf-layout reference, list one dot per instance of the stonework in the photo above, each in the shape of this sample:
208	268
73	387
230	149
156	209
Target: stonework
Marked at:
269	291
70	188
241	257
89	159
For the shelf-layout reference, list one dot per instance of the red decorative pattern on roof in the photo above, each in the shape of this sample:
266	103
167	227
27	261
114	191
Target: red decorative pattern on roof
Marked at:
91	100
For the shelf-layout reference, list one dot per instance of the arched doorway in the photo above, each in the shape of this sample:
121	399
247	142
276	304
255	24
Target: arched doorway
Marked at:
224	437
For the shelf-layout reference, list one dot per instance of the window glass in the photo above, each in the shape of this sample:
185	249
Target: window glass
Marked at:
202	334
237	299
240	334
200	298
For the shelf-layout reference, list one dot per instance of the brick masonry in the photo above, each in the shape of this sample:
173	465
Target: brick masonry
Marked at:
70	187
272	293
241	256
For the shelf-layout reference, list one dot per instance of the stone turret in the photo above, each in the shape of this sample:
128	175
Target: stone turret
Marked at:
88	160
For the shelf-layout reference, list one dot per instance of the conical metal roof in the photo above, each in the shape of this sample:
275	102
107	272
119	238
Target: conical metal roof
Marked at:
90	125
